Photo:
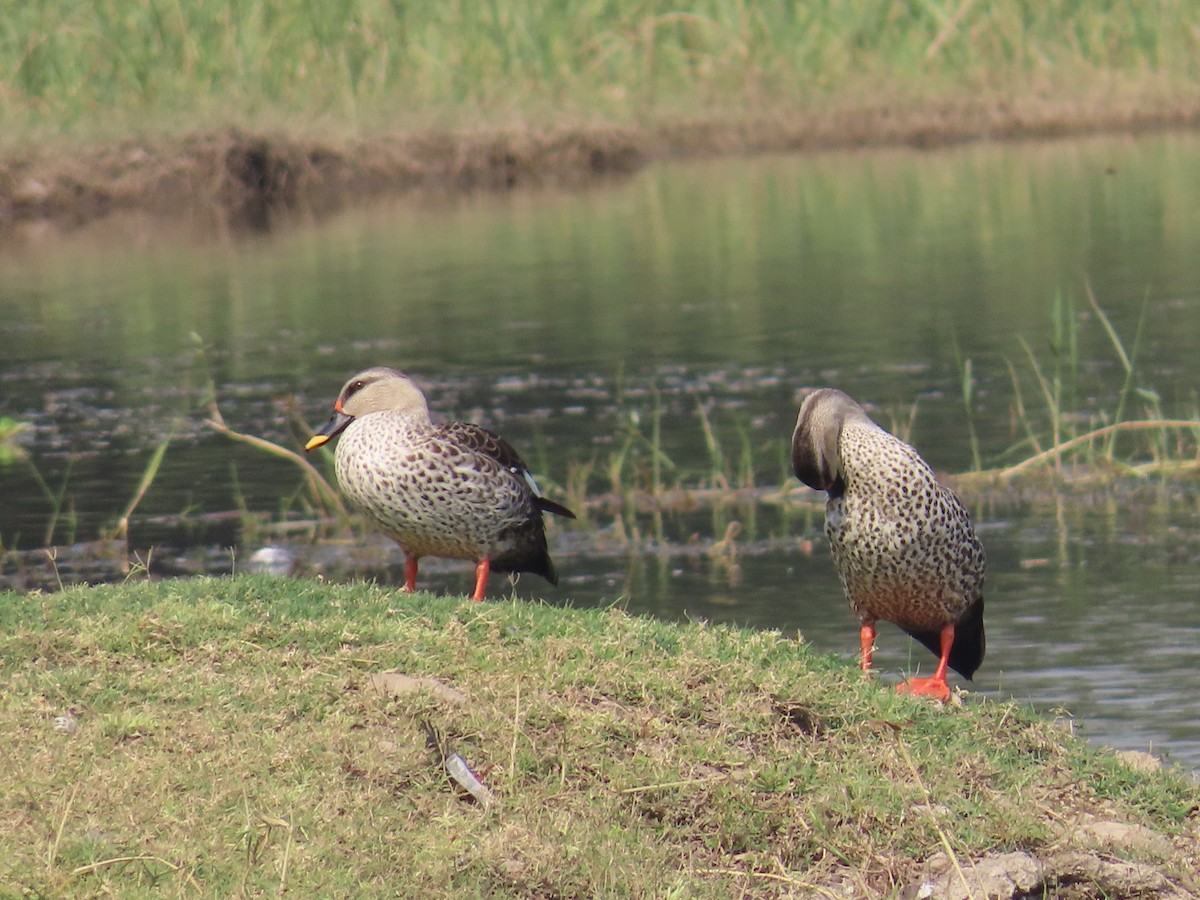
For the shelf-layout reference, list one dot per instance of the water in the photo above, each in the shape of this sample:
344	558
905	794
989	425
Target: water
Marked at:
569	321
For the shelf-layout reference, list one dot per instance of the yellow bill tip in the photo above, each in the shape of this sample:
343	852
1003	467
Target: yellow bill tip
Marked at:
315	441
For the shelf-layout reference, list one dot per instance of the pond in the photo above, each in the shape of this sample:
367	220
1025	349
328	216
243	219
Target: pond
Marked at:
676	317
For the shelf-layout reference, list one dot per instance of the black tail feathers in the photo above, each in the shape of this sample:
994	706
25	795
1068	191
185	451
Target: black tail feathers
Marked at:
535	561
966	654
551	507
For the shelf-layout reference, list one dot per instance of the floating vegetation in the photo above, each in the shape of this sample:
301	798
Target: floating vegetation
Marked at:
11	450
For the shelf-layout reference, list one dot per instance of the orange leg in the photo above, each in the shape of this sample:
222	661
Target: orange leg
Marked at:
934	686
410	573
866	637
481	573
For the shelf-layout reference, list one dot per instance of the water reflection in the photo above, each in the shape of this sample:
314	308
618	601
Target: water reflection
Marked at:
705	297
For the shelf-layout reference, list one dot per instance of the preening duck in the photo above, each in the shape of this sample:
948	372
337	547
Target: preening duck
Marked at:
903	545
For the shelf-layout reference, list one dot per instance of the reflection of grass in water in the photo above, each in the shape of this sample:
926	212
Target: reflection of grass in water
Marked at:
967	387
60	504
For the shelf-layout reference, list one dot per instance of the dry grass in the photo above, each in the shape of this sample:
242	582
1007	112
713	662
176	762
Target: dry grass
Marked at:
226	737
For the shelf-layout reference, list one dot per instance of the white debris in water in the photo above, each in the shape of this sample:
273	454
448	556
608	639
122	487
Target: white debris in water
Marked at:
270	561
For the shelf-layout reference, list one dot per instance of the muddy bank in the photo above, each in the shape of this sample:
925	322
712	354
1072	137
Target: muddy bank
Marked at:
247	176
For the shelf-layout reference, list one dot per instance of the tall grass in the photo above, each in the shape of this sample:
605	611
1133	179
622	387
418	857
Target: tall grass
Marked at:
64	62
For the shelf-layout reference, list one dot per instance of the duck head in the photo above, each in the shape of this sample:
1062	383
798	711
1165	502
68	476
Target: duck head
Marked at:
816	458
372	390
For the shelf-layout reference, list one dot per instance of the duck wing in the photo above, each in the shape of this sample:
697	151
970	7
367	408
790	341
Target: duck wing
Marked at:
488	443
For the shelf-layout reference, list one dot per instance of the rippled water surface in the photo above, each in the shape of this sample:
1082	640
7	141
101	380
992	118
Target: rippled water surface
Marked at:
705	297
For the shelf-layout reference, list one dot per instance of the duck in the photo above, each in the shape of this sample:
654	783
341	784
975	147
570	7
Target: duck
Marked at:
452	490
903	544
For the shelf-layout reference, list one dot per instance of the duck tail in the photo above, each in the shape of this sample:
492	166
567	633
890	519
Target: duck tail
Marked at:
551	507
535	561
966	655
969	645
539	565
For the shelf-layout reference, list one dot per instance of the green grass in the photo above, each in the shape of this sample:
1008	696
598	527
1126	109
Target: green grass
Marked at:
224	738
112	63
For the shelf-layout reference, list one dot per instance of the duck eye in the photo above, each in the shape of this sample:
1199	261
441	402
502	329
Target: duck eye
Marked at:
355	387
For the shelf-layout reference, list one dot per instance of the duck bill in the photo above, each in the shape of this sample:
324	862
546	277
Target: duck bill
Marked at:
337	422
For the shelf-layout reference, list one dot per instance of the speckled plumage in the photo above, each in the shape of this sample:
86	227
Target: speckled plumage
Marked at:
450	490
903	545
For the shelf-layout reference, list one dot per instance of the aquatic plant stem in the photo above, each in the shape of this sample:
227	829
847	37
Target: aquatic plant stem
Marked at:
148	476
716	457
1056	451
55	499
1052	397
1019	403
321	488
1127	360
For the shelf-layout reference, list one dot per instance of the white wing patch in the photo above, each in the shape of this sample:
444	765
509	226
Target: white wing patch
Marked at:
528	476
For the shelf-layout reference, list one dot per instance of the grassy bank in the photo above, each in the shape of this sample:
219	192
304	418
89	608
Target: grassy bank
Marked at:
363	64
153	102
233	737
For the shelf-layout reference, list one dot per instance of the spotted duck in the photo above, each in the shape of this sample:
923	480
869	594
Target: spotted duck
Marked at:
903	545
451	490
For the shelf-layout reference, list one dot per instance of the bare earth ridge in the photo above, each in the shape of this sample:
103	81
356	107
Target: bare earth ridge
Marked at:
246	174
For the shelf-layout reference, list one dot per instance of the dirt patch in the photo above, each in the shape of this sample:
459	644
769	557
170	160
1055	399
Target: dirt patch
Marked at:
248	175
